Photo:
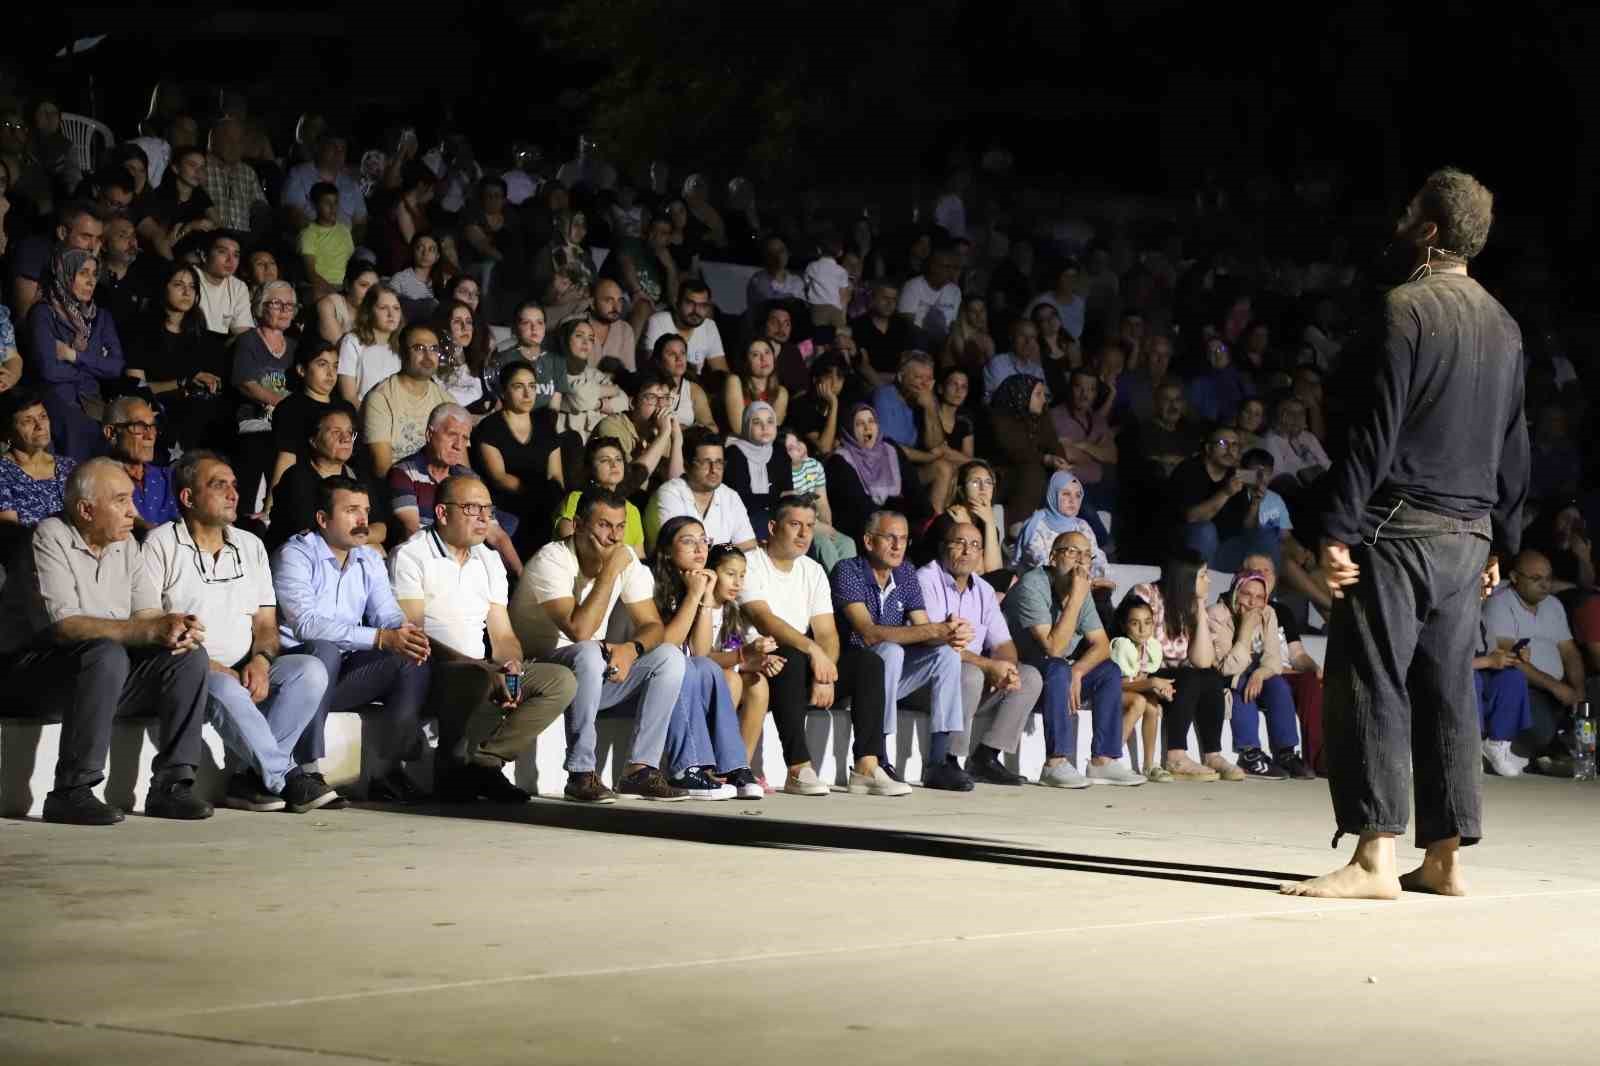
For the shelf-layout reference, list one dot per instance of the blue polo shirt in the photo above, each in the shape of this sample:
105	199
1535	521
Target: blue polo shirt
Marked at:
896	420
153	497
854	582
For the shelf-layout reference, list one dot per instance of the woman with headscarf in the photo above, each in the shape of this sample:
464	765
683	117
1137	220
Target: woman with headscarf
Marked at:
757	469
869	473
1027	441
1063	498
72	348
1252	652
565	254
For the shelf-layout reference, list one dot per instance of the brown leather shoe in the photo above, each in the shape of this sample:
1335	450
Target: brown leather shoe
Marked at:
649	783
588	788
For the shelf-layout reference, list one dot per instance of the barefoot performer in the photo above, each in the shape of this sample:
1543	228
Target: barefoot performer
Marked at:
1439	450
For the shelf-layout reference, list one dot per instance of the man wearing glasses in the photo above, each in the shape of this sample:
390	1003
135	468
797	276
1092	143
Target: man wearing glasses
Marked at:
651	437
890	642
130	429
700	494
396	414
1221	520
992	678
690	319
1051	612
259	700
1524	619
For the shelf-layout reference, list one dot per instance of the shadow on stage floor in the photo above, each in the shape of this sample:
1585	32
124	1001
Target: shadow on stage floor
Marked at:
753	829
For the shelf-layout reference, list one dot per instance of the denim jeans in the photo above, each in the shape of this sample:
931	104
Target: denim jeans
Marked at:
704	730
904	670
1504	710
264	735
1227	553
1276	701
1101	692
655	678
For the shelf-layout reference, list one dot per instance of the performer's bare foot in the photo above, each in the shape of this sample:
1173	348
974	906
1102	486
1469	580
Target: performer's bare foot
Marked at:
1369	875
1440	872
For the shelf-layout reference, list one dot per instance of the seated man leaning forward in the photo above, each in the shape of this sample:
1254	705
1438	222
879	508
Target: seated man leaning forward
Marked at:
82	624
890	644
449	583
335	602
414	481
991	677
260	700
563	613
1052	614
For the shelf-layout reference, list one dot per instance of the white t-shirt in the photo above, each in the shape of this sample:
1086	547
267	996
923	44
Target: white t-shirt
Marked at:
931	310
1506	616
553	574
795	597
951	213
226	306
726	520
223	591
704	343
367	363
826	281
455	596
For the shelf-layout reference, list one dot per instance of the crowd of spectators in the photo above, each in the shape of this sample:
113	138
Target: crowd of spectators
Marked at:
287	435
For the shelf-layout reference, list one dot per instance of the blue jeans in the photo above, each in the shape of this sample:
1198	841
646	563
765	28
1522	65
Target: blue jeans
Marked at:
1101	691
1504	709
1276	701
1227	554
704	730
904	670
265	735
656	678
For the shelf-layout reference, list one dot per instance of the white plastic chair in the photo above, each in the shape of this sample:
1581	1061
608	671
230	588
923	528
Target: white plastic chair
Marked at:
83	131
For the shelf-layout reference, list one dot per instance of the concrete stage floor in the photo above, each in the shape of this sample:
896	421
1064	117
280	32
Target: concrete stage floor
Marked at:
1010	925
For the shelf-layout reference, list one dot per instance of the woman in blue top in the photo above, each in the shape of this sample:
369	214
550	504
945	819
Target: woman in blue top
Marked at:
32	480
71	348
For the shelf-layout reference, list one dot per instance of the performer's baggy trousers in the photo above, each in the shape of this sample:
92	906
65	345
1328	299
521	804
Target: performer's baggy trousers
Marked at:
1400	696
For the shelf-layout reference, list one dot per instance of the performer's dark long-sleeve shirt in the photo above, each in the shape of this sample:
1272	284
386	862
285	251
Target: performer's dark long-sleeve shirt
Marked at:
1445	428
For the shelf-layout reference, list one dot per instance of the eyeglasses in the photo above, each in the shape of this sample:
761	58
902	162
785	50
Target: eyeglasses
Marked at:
710	464
280	305
473	510
1074	553
144	429
436	349
215	578
1225	443
693	542
965	545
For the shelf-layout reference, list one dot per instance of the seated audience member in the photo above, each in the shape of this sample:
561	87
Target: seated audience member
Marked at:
756	382
700	493
1505	711
307	182
1167	438
890	646
992	677
1188	657
1561	536
336	604
294	420
615	343
123	287
931	301
224	298
464	366
397	414
231	181
416	283
1525	619
518	457
337	311
969	347
787	598
71	348
414	480
182	363
808	478
646	271
973	504
1065	299
82	627
1088	442
1219	507
1296	453
909	418
81	227
1023	358
1215	395
178	207
757	469
1052	614
563	613
1141	385
260	699
326	244
1137	654
789	366
1027	441
33	481
452	586
868	473
774	281
262	359
690	318
1304	673
130	433
1252	652
650	438
326	452
370	353
827	283
1249	421
605	466
1298	563
882	335
689	403
955	422
590	396
1308	389
701	616
1063	501
814	414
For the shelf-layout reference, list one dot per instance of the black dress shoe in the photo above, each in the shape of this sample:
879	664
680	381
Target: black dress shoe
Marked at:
79	806
176	799
948	776
990	770
488	782
395	787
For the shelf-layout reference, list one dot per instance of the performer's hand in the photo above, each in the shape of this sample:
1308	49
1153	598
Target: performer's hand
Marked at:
1338	569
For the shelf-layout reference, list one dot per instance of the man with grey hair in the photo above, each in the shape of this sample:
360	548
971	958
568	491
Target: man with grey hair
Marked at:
259	699
232	183
398	413
130	430
414	480
1433	461
82	627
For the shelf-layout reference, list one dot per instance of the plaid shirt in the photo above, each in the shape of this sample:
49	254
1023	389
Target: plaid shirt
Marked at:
234	190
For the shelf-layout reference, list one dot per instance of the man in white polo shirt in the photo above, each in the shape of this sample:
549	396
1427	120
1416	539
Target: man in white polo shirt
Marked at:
701	495
259	700
453	586
224	299
690	319
565	612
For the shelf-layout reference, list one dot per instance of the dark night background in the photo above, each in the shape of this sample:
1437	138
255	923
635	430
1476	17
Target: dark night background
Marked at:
1144	97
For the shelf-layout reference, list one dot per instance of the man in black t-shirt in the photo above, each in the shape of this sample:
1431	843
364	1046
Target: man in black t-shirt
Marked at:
1219	506
882	335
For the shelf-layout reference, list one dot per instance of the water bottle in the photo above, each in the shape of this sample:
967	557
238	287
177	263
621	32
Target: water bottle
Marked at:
1583	736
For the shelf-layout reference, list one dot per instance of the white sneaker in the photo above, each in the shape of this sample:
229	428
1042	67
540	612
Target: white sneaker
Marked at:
805	783
1063	775
1501	762
1113	773
877	783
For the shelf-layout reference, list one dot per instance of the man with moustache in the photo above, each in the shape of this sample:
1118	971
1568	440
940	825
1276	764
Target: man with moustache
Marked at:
336	604
614	338
691	319
130	430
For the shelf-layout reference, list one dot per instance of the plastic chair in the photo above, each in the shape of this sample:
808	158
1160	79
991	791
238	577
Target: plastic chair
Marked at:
83	131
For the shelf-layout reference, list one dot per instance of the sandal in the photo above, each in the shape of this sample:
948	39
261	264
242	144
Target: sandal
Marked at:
1188	770
1225	769
1159	775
